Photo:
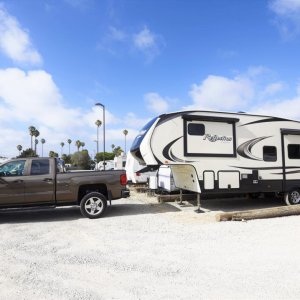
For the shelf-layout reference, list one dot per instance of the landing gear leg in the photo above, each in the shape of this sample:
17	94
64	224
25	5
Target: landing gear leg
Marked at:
199	210
180	197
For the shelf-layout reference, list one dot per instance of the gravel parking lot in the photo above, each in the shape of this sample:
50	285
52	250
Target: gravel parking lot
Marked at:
145	250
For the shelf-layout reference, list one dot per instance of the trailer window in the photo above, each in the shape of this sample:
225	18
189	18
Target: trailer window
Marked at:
269	153
196	129
294	151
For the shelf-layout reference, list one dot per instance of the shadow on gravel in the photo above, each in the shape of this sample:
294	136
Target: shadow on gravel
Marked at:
118	210
73	213
239	204
41	215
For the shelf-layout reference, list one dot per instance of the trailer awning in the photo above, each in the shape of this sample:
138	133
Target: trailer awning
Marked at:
210	119
289	131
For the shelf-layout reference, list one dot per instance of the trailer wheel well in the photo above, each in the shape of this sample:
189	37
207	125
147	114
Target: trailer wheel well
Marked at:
86	189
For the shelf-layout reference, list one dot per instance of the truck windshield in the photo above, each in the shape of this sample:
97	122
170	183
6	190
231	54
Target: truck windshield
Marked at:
137	141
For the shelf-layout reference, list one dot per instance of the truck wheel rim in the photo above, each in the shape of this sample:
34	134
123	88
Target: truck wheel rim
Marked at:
93	206
295	197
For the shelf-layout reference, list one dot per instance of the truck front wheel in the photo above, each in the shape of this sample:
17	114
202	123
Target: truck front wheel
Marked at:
93	205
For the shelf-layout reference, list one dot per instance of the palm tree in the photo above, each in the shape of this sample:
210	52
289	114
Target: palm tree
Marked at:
36	133
36	141
43	141
112	147
82	144
98	124
31	130
19	147
78	145
69	142
62	145
125	132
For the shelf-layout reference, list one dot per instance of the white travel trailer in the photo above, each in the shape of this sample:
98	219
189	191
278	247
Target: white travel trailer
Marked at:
136	172
109	165
120	162
165	179
225	153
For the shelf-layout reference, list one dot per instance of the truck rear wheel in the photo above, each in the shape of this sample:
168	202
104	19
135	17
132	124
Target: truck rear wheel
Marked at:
93	205
292	197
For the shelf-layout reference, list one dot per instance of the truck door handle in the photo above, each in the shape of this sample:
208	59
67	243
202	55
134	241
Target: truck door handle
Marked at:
47	179
18	181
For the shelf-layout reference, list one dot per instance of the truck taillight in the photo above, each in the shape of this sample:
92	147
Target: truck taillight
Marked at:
138	174
123	179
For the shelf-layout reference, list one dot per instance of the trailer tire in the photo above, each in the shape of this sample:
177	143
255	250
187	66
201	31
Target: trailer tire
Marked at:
292	197
93	205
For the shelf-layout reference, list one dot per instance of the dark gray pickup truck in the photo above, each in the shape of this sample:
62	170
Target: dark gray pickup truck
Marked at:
43	182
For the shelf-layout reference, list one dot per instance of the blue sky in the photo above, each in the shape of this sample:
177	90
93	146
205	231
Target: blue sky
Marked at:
140	59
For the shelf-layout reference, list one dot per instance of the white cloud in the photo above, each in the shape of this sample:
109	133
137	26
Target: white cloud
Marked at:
131	120
117	34
221	93
287	14
282	108
145	39
273	88
148	43
32	98
15	41
155	103
285	7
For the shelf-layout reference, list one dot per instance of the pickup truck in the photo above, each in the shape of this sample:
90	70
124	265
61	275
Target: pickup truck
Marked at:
43	182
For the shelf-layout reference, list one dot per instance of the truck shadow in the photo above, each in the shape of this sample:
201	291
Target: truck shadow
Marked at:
40	215
73	213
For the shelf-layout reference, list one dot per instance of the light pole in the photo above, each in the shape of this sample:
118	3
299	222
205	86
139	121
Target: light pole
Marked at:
103	108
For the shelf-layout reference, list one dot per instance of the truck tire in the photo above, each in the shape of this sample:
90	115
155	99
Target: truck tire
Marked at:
292	197
93	205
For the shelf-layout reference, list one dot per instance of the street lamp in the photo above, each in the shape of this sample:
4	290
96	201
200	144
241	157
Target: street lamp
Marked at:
103	108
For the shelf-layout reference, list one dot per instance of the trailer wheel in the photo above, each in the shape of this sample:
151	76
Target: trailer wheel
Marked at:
93	205
292	197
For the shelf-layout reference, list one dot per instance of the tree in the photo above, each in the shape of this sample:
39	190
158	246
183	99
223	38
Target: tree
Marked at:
36	141
69	142
125	132
43	141
112	147
31	130
62	145
36	133
82	144
81	160
78	145
66	158
19	147
53	154
107	156
98	124
27	153
118	151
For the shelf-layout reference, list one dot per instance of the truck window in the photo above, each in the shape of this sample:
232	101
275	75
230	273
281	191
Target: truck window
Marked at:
13	168
40	167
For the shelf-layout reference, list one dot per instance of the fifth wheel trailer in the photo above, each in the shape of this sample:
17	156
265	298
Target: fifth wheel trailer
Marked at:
219	153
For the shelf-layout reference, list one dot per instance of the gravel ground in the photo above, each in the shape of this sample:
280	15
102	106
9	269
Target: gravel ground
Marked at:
145	250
